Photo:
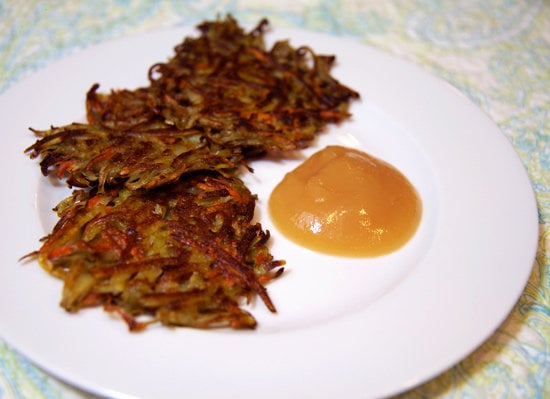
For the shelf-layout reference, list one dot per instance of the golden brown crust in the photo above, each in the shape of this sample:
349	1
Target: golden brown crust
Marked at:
185	254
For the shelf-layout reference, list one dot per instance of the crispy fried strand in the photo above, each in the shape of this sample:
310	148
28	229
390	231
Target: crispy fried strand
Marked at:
184	255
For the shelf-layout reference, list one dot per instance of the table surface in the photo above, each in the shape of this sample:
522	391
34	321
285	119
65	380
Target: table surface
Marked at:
497	52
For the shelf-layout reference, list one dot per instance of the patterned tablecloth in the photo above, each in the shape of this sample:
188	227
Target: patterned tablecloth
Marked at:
497	52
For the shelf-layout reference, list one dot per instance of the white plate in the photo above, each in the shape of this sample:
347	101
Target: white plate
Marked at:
346	328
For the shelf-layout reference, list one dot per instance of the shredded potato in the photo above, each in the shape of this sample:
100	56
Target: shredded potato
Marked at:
161	225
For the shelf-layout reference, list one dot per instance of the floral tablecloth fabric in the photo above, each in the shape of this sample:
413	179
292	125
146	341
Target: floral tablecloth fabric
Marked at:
497	52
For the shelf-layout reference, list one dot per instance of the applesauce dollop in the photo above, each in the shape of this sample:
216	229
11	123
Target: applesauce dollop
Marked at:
345	202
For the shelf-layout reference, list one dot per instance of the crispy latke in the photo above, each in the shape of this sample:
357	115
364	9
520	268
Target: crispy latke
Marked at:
184	254
95	156
221	96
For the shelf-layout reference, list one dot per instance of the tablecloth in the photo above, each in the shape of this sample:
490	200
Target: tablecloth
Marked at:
497	52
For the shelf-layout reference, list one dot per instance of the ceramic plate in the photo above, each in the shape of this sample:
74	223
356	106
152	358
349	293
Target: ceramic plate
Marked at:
345	327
